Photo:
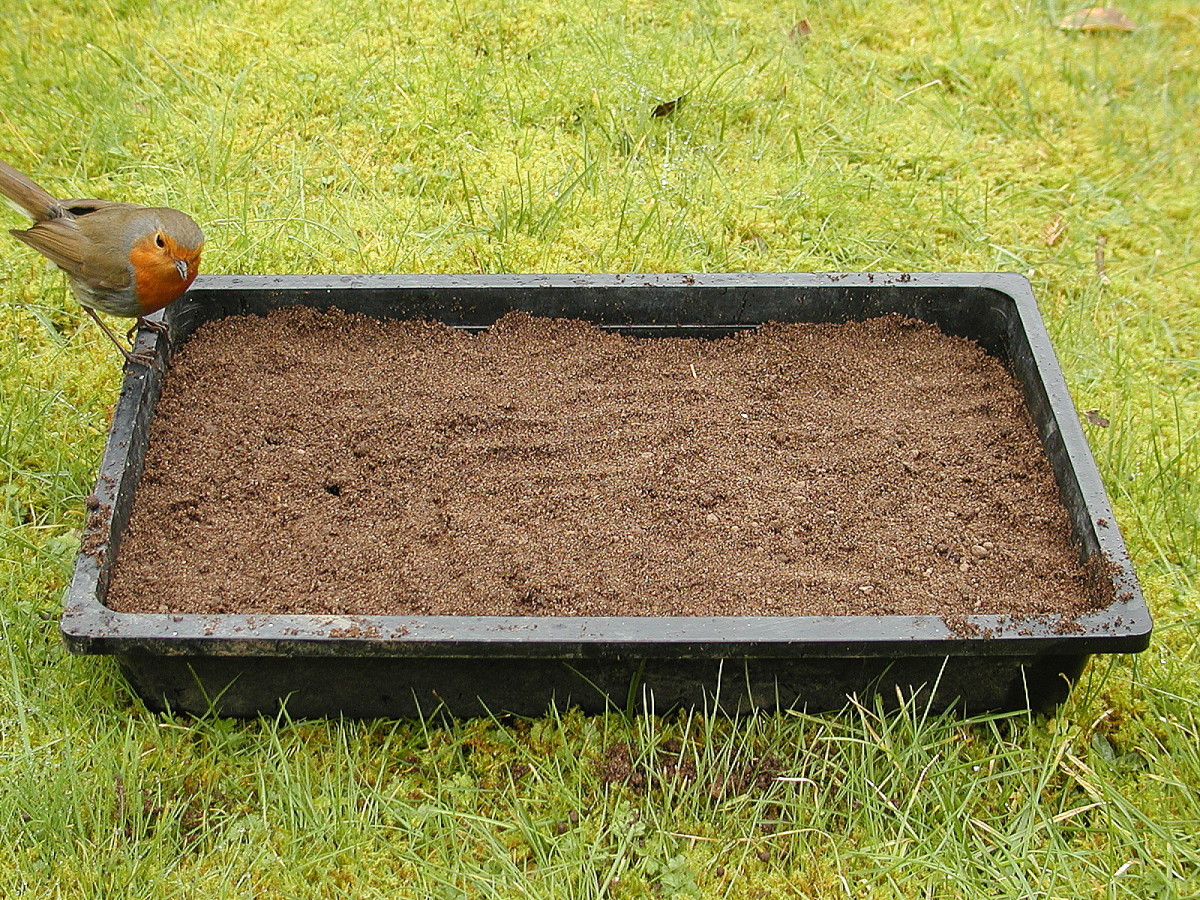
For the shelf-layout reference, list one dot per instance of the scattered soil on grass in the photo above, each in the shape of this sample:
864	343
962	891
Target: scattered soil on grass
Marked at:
670	763
318	462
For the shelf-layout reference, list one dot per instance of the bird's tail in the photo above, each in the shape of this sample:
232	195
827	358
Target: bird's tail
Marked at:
25	196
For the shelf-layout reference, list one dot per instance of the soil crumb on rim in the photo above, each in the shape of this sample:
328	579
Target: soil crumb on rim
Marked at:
329	463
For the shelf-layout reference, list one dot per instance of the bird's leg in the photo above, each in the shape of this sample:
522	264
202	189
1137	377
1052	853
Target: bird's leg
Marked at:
144	359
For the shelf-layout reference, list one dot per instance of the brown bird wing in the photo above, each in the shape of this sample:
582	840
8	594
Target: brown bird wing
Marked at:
60	241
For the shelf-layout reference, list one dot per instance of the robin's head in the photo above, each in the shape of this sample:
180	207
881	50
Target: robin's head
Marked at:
165	258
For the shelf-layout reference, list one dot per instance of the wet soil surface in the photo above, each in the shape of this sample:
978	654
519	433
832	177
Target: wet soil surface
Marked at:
313	462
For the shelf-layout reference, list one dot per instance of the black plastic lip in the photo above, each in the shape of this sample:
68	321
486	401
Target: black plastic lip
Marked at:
694	303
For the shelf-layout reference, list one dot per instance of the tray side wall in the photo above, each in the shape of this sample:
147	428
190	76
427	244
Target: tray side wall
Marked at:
387	688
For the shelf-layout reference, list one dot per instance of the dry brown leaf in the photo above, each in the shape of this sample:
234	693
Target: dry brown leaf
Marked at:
800	30
668	108
1055	229
1097	18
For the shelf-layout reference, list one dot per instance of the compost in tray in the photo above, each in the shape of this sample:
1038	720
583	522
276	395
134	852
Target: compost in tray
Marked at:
320	462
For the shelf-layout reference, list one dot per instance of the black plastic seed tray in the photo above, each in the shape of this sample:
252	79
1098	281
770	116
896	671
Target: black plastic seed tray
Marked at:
370	666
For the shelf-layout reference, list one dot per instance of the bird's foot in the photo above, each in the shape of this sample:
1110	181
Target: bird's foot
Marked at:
139	358
142	358
143	322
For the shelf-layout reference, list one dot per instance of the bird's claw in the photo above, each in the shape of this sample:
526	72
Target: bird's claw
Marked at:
141	358
149	325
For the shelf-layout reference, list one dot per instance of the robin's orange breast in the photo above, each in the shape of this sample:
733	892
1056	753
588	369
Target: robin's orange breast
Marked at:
156	279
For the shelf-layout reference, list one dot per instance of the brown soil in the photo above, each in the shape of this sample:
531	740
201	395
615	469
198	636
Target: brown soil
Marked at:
325	463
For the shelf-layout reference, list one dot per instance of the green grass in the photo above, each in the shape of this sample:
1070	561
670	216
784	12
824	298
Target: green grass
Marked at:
517	137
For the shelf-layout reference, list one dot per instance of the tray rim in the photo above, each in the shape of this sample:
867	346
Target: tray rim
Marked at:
87	626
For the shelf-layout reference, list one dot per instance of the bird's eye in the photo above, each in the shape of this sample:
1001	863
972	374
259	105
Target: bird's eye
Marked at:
158	239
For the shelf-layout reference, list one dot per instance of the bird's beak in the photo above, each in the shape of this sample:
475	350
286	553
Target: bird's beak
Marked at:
181	267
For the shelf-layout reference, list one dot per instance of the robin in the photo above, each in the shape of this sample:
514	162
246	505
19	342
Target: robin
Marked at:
120	258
